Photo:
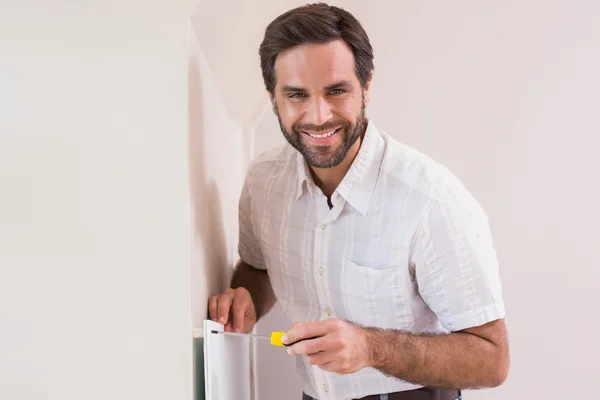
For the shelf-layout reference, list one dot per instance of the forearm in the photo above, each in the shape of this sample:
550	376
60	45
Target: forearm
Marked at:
258	284
457	360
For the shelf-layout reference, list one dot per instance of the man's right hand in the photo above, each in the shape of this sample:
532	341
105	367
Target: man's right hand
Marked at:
235	309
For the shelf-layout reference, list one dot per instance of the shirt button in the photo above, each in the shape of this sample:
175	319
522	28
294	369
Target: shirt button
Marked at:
326	387
323	227
328	312
321	271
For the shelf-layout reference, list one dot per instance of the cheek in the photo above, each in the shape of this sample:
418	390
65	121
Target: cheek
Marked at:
282	112
292	112
349	109
290	115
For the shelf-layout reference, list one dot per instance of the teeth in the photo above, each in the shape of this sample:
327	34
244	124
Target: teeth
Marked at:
324	135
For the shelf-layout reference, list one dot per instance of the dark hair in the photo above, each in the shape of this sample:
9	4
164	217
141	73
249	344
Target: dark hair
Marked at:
315	23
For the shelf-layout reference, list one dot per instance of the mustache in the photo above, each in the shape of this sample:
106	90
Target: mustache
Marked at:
323	128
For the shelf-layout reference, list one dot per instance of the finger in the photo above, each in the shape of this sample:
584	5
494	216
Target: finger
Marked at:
240	307
295	325
304	331
212	308
223	307
331	366
309	346
321	358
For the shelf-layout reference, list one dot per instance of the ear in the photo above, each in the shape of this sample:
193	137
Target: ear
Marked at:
368	90
272	99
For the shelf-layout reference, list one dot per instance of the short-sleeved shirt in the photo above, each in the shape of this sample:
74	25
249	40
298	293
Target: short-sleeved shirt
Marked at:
405	246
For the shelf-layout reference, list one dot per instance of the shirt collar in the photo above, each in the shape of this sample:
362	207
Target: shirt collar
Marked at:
358	183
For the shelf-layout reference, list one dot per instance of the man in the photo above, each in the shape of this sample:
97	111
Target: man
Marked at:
379	254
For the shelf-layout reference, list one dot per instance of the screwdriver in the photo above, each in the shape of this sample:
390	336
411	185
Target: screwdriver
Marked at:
275	337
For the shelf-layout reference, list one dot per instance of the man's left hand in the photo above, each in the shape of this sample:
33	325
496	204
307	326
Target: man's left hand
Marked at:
339	346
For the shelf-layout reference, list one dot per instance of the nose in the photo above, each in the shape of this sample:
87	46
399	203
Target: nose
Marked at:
320	111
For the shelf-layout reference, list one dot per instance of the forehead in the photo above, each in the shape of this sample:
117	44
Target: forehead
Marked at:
315	65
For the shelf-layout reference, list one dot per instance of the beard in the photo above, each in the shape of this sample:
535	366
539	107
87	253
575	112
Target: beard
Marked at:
325	156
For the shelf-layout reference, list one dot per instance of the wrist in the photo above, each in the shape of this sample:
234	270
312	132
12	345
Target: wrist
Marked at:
389	351
372	341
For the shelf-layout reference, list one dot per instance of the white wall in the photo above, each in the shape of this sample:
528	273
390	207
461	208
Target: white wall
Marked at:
94	215
506	95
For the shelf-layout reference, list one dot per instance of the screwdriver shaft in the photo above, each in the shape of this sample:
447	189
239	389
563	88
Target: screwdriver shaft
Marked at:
241	334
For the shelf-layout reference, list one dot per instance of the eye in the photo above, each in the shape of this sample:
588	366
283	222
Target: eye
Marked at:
337	91
296	95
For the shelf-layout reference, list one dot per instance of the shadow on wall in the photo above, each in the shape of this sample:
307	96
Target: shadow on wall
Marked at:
214	181
206	201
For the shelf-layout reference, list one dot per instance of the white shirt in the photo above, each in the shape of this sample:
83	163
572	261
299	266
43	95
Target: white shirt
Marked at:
405	246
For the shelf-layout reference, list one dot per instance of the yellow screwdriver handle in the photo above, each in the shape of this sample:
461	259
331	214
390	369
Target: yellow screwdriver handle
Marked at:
276	339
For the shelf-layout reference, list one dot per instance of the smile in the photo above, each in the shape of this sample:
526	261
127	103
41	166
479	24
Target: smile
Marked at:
322	135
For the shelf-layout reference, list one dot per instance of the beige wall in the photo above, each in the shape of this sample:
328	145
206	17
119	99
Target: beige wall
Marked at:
506	95
94	216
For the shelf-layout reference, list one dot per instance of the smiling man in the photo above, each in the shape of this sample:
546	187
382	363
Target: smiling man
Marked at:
379	254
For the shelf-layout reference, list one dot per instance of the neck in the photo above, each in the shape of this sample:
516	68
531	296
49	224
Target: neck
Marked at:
328	179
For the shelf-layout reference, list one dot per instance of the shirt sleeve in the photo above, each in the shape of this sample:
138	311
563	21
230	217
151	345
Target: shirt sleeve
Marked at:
249	248
455	263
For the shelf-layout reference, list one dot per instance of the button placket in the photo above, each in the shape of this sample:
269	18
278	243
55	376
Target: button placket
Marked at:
319	266
321	277
323	387
319	272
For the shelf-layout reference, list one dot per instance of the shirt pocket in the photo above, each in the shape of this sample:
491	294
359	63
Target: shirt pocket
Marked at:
375	297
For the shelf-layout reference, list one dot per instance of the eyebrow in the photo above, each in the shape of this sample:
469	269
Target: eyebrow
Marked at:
287	89
337	85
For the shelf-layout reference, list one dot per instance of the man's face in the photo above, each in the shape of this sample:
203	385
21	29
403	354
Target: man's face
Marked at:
319	101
